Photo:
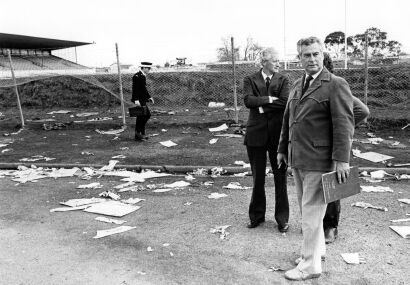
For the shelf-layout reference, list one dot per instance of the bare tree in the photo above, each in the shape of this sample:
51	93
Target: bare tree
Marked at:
224	53
252	50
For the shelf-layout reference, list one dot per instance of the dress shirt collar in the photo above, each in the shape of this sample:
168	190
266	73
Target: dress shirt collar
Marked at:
314	75
264	75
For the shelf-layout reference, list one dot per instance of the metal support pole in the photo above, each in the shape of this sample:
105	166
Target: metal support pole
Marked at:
235	99
345	34
120	80
16	89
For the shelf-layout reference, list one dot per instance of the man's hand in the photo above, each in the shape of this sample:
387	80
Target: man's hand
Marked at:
137	102
151	100
281	158
342	170
272	98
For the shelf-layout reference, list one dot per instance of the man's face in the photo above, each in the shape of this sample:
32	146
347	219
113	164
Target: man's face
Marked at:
311	58
271	64
146	70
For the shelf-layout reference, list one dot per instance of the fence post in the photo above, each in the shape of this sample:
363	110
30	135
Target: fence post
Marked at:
235	99
16	89
366	71
120	80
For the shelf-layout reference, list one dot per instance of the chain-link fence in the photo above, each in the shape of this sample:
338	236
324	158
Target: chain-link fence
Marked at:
47	81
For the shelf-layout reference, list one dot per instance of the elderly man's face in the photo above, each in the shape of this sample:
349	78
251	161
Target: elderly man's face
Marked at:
271	64
311	58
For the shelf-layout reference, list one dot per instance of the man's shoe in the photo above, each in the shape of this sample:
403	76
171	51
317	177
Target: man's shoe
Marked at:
139	137
254	224
330	235
296	275
299	259
283	228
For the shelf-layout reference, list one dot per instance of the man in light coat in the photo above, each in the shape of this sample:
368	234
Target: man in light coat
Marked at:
316	138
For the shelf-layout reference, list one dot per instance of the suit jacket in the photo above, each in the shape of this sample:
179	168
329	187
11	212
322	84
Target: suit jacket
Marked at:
263	129
318	127
139	88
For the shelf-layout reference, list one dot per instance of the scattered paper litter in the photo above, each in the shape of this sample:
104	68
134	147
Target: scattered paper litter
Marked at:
94	185
216	104
213	141
36	158
243	163
6	150
367	205
400	220
117	230
189	177
82	202
168	143
221	230
229	135
403	231
110	166
119	156
274	268
371	156
112	208
162	190
217	171
379	174
149	249
222	127
235	185
165	244
405	201
110	221
109	194
352	258
216	195
86	114
110	132
63	172
58	112
67	209
132	201
87	153
177	184
376	189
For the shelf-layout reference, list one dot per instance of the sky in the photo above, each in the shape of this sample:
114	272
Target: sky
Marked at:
162	30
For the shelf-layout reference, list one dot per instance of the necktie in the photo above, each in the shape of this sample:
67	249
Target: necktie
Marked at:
267	83
306	86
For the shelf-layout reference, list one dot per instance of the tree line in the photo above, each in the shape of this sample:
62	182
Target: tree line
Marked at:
377	43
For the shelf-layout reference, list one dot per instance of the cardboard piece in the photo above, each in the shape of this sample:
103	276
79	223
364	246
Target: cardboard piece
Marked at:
168	143
333	190
403	231
372	156
222	127
112	208
117	230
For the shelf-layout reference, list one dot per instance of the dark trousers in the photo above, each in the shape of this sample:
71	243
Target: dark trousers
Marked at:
331	219
257	208
140	123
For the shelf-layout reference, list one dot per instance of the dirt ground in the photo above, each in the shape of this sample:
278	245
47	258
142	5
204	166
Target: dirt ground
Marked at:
39	247
189	131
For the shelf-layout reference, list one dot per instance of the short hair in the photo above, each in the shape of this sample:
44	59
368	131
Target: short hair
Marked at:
268	53
307	42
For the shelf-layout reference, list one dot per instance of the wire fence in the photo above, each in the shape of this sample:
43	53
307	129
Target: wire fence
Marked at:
49	82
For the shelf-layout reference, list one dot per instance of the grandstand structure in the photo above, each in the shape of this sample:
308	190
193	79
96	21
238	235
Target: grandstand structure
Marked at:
34	55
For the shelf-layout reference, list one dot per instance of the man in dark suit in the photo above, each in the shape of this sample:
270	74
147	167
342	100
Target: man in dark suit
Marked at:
316	137
266	93
140	97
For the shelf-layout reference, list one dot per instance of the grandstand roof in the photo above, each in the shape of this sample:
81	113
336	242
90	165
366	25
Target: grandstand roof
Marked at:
27	42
